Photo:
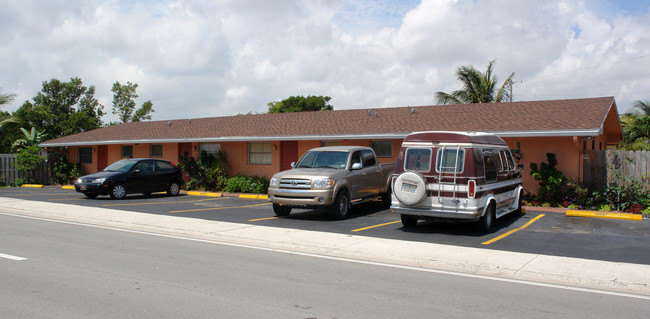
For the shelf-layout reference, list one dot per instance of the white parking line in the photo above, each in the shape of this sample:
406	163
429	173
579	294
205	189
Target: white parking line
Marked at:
12	257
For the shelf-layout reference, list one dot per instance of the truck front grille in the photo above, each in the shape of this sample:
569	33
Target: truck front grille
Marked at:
295	183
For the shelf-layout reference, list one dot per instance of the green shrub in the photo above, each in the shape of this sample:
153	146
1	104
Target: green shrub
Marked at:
550	179
646	212
243	184
604	208
208	173
65	172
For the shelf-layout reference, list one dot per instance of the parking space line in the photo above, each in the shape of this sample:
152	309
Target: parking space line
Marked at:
267	218
159	203
513	231
215	208
375	226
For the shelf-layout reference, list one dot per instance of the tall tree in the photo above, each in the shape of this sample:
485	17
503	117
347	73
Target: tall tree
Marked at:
62	108
301	104
477	87
124	104
636	127
5	117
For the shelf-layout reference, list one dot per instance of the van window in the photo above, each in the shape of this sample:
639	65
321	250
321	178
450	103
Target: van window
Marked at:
511	161
418	159
489	159
501	161
447	160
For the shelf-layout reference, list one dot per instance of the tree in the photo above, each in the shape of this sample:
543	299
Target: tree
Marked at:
5	118
477	87
636	127
301	104
62	108
124	104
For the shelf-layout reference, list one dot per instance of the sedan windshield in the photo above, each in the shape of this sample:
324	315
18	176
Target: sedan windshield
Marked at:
120	166
322	159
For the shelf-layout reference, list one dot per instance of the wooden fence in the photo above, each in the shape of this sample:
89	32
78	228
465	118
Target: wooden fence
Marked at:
9	174
603	167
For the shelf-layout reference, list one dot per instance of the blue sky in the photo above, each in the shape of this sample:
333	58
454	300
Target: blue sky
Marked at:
225	57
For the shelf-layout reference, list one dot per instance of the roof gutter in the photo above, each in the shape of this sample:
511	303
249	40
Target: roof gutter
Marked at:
374	136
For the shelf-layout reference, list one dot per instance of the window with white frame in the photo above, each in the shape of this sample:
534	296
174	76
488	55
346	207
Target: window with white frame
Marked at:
260	153
210	148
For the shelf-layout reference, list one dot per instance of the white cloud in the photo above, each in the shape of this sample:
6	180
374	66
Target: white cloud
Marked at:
227	57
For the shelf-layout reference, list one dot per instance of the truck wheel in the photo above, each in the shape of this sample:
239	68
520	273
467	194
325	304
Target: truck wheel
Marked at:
486	222
410	188
409	220
281	210
341	205
386	198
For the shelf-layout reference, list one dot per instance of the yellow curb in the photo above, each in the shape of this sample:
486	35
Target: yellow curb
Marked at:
250	196
197	193
67	187
32	185
587	213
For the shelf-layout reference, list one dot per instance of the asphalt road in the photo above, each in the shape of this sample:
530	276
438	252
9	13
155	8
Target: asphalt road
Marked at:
77	271
544	233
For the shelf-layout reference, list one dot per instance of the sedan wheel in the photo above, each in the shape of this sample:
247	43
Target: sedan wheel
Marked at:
174	189
118	191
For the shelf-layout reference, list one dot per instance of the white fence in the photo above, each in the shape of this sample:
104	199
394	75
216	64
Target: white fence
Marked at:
9	174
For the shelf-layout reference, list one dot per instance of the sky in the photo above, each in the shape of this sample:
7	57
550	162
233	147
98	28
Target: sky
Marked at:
210	58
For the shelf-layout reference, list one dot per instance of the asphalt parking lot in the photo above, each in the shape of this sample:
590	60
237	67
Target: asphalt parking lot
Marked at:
538	232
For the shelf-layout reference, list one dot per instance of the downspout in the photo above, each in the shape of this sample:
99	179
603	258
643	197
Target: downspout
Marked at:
576	143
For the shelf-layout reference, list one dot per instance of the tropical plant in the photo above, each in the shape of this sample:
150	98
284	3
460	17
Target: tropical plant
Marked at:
28	158
208	173
550	179
477	87
244	184
32	137
636	128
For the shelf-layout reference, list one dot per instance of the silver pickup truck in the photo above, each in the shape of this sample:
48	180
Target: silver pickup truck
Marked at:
335	177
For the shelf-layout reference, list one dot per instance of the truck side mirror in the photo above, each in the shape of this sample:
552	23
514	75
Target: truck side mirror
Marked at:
357	166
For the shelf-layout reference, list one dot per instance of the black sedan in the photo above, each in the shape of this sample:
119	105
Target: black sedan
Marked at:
133	175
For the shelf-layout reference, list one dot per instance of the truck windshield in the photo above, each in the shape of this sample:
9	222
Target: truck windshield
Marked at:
320	159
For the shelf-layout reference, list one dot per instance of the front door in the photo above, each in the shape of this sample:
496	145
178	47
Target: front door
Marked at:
102	157
288	154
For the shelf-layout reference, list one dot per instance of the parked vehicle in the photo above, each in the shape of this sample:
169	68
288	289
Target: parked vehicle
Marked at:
136	175
455	175
335	177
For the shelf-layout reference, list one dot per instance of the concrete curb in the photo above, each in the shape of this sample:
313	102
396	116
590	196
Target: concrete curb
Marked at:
610	215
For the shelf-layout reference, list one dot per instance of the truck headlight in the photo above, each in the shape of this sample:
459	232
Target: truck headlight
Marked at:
323	183
274	181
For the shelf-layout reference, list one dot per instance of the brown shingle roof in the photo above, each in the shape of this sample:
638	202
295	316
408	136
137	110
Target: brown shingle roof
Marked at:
529	118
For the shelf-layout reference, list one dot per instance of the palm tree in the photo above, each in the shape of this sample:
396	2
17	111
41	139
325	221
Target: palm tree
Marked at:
636	127
477	87
6	99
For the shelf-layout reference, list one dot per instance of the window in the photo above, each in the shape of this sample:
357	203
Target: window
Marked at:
330	143
259	153
156	150
85	155
382	148
127	151
511	161
164	167
210	148
418	159
368	158
145	167
490	162
450	160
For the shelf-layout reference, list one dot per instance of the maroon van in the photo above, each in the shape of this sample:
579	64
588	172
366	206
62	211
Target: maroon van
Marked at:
467	176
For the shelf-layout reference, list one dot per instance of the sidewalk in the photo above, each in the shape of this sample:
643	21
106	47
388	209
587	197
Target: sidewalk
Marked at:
590	274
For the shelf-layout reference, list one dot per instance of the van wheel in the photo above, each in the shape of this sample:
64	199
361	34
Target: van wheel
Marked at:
281	210
341	205
520	210
409	220
486	222
118	191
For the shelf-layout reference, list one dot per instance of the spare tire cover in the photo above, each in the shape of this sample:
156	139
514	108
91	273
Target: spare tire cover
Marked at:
410	188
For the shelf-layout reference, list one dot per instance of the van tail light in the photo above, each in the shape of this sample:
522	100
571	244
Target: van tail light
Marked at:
471	189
